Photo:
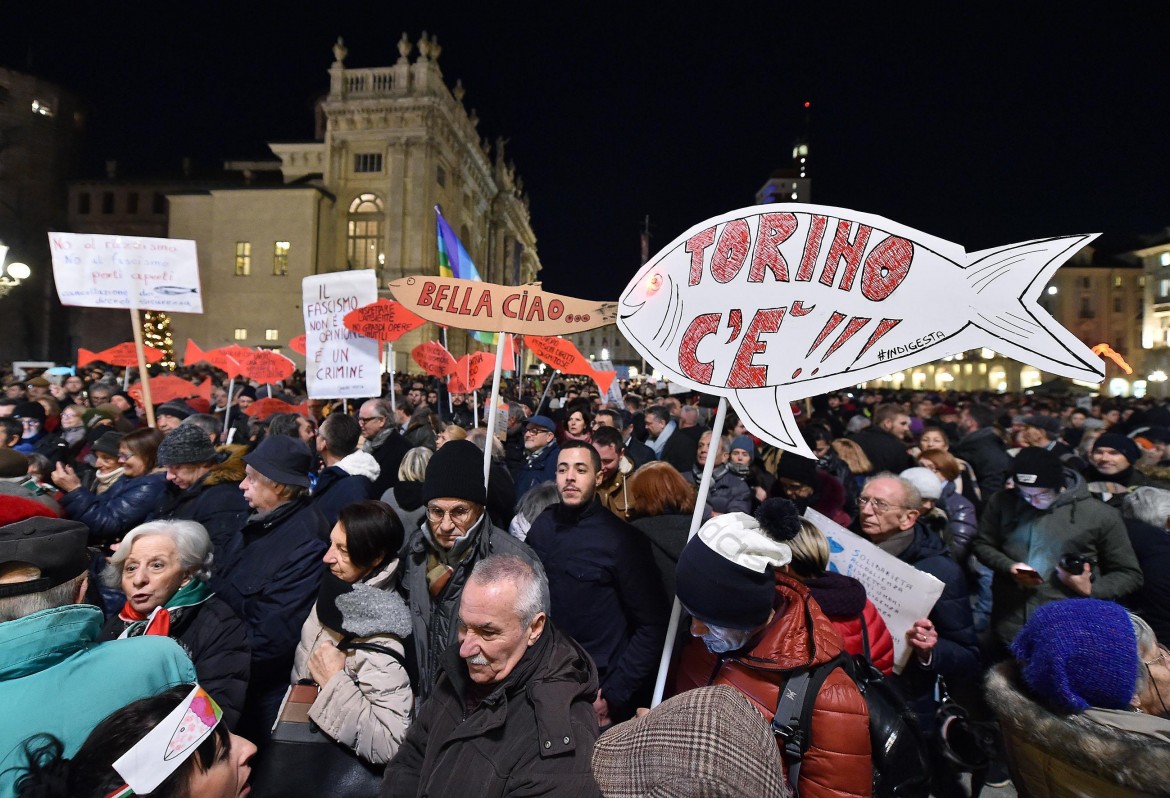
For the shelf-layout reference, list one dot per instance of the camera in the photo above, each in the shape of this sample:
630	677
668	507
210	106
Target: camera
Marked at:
1075	563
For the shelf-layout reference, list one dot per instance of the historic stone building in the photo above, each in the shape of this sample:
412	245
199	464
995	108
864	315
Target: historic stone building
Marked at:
394	143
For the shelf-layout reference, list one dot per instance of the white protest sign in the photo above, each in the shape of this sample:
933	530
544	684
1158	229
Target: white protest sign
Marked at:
855	297
901	593
130	272
339	363
613	396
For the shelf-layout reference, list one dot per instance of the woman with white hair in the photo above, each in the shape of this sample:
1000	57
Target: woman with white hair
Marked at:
163	568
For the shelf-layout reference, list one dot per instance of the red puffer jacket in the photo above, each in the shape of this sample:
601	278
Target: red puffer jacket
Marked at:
837	763
843	600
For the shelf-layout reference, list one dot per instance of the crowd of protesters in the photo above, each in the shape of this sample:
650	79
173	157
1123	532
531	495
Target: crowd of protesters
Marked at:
457	638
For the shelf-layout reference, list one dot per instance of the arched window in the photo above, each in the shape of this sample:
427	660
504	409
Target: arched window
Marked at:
364	233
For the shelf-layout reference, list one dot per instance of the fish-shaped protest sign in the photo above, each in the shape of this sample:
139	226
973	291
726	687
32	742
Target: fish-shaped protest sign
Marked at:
382	320
123	354
168	387
773	303
490	307
566	358
268	406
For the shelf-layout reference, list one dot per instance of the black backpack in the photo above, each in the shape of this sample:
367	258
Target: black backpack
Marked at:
898	748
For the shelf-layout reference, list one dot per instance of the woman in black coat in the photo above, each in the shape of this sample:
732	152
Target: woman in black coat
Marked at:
162	567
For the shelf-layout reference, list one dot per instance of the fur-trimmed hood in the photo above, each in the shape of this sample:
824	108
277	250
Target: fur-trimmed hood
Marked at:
360	464
232	467
1075	745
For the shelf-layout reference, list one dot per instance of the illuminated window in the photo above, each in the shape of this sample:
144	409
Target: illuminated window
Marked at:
272	335
364	233
241	333
243	258
1163	288
1164	259
42	107
280	259
367	162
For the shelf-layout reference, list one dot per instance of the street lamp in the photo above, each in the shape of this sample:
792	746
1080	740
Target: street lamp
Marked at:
13	274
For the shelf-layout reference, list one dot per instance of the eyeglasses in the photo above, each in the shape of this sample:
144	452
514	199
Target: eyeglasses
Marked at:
124	456
368	419
537	431
879	505
458	514
1162	654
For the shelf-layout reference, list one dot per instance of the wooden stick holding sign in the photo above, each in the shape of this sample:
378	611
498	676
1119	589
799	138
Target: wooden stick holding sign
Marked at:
488	307
143	374
696	522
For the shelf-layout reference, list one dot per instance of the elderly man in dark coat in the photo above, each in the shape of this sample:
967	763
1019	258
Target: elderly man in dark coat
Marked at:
272	579
437	558
511	713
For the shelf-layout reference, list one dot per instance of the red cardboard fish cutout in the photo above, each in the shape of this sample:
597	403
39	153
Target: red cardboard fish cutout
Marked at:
121	355
560	354
471	370
773	303
265	365
433	359
384	321
268	407
168	387
298	344
216	357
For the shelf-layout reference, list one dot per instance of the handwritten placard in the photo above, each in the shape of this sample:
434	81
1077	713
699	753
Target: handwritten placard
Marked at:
97	271
901	593
773	303
339	363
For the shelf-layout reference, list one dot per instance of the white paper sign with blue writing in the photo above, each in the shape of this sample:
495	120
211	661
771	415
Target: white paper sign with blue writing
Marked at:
130	272
339	363
769	304
901	593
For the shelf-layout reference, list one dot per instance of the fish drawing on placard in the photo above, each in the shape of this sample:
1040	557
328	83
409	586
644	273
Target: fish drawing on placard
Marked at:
174	290
773	303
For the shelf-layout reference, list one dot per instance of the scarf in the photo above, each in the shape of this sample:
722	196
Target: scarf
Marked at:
441	562
898	542
658	443
103	482
159	621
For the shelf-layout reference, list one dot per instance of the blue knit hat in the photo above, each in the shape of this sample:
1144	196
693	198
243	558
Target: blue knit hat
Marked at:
745	443
1079	653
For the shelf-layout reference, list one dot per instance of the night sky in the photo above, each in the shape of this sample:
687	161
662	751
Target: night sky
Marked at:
984	124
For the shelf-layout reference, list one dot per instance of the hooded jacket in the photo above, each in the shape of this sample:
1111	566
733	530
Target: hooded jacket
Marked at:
366	706
838	762
215	501
532	734
1012	531
351	479
843	599
50	666
1065	755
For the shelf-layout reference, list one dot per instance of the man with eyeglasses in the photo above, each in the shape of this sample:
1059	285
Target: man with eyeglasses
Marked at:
1047	539
438	556
383	441
944	642
540	455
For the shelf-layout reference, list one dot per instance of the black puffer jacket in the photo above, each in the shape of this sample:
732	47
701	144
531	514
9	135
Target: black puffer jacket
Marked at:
986	453
433	619
121	508
214	638
532	735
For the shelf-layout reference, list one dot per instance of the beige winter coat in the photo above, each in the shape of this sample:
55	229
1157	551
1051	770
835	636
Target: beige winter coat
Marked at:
367	705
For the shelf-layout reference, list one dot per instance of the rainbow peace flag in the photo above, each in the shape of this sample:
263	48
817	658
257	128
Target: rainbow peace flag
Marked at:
455	262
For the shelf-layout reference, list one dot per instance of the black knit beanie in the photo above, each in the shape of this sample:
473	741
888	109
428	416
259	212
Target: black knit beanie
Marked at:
456	472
